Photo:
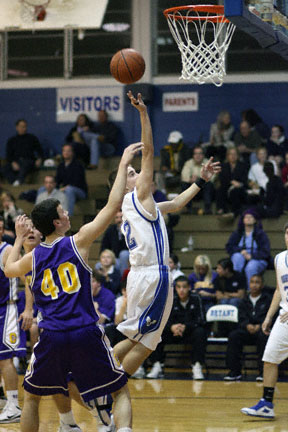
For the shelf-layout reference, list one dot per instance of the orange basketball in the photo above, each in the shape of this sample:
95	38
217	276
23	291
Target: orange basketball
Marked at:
127	66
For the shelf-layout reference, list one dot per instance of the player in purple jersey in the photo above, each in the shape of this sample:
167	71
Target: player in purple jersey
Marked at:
12	338
149	286
70	341
63	403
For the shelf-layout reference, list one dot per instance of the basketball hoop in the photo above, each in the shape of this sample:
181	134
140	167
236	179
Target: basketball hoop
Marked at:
33	10
203	36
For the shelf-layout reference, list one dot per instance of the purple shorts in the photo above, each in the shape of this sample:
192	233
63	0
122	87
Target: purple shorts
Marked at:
13	339
85	352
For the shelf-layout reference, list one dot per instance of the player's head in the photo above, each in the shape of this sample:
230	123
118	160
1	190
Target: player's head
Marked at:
33	238
256	285
132	176
182	287
49	216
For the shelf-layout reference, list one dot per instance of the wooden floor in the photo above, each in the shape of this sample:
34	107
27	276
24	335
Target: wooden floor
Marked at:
182	406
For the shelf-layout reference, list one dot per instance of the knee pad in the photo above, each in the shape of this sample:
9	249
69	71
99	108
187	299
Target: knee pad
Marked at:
103	405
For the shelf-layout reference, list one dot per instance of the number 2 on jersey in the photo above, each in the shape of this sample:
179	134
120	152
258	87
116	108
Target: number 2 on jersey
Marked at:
68	276
131	242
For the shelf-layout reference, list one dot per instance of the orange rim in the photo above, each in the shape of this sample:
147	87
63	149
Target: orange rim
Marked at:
218	10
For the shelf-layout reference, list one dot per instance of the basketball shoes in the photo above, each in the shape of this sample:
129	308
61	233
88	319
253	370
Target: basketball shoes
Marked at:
156	371
197	373
69	428
262	409
10	414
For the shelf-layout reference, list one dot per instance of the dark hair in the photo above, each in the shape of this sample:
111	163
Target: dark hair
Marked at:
268	169
88	121
111	178
174	258
280	127
68	144
226	263
97	275
19	121
197	147
43	215
260	275
251	116
181	279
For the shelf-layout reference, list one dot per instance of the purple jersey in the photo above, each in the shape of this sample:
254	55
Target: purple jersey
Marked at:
8	286
61	285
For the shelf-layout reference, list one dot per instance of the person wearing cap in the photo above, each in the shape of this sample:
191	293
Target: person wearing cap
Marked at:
173	157
249	246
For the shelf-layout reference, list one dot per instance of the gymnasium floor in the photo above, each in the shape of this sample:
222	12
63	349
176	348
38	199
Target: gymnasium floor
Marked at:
182	406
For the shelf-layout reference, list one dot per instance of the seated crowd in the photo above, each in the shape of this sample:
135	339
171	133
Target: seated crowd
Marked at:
251	185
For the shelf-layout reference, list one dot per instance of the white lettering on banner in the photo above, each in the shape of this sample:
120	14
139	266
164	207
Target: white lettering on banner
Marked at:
89	100
184	101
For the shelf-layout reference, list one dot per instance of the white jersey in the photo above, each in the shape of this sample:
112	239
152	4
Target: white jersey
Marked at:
146	237
281	266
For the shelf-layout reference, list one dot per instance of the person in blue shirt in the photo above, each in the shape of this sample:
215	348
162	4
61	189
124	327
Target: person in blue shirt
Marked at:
249	246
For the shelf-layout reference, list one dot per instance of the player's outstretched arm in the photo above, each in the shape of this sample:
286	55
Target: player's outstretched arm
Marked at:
145	178
89	232
207	171
14	266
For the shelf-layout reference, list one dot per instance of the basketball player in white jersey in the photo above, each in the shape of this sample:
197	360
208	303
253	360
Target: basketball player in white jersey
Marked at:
149	285
276	350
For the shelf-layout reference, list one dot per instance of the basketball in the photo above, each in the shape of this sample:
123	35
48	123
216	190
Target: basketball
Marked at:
127	66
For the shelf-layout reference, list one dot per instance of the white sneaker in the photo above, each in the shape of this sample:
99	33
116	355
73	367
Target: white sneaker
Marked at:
197	373
69	428
16	183
10	414
156	371
104	428
139	373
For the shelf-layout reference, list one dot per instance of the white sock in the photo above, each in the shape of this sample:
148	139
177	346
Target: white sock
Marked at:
67	418
12	397
125	429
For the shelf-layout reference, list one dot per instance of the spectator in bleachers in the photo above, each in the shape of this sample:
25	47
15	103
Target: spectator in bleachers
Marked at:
76	138
202	281
24	154
221	134
249	246
256	175
252	312
9	213
230	285
186	325
174	266
103	299
107	135
257	124
231	194
284	176
277	144
189	174
272	203
114	240
111	277
70	178
49	190
247	140
173	157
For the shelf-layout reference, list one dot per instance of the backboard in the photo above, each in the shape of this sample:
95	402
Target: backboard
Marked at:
265	20
82	14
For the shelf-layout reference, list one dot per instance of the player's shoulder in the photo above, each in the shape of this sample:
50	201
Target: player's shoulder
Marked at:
280	256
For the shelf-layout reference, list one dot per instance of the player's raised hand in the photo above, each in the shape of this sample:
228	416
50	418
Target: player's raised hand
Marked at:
131	151
137	103
21	227
209	169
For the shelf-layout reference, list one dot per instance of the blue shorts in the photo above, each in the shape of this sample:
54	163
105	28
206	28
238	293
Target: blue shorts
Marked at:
12	338
85	352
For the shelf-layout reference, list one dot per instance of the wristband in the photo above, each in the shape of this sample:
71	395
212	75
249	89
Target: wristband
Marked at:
200	182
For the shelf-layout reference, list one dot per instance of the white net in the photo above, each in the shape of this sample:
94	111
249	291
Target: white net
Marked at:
203	39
